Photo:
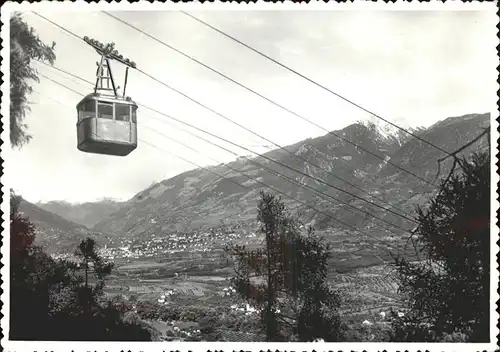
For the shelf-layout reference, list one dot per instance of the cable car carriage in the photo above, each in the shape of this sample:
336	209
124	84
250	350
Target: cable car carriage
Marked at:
107	124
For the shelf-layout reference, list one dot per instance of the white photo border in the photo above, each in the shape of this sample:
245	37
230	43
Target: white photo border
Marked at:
5	155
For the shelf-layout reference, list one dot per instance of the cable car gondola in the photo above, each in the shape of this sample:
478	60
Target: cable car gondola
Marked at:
107	124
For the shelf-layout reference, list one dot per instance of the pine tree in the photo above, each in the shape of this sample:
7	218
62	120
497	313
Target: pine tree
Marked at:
34	279
318	303
286	278
259	272
448	291
91	262
53	300
49	299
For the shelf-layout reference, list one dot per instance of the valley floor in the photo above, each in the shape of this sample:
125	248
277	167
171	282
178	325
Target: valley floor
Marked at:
190	284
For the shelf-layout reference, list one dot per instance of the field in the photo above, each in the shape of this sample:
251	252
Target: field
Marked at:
368	291
201	284
176	290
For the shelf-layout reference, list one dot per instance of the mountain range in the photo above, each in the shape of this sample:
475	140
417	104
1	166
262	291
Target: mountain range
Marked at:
381	171
87	214
54	232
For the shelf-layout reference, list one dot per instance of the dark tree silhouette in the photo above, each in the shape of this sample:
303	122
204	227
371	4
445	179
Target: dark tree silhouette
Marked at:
22	233
91	262
318	303
448	292
25	46
260	272
53	300
49	299
286	278
34	277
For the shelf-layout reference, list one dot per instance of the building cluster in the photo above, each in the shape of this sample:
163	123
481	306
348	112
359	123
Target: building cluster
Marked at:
245	308
165	296
228	291
154	245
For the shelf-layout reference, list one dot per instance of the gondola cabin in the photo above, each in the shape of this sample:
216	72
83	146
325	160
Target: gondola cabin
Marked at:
107	125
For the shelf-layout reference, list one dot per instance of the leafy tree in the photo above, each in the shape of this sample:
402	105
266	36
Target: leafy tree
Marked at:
46	295
260	272
318	315
286	278
22	299
49	299
447	292
90	260
25	46
22	233
87	315
208	324
34	278
356	332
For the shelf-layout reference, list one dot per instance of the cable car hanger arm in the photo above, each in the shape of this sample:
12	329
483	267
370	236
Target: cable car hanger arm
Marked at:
109	51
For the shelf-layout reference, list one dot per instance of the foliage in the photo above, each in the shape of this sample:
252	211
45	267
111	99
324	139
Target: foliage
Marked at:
148	311
25	46
447	292
90	260
286	278
192	314
318	316
153	311
357	332
208	324
170	313
23	229
31	273
51	300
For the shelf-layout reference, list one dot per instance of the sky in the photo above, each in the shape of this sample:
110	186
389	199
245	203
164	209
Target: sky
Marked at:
412	68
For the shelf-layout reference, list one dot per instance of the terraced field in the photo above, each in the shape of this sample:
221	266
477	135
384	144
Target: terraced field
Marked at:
189	283
364	290
368	290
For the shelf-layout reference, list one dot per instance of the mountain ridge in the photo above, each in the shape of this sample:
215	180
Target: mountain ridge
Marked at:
53	232
206	193
83	213
198	199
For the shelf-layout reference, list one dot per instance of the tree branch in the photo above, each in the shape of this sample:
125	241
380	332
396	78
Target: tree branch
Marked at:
454	154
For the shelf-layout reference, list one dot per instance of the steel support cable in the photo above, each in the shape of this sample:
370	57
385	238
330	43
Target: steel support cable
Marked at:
276	104
255	163
80	94
199	137
60	84
76	36
290	180
256	180
250	131
263	97
271	160
286	195
92	84
328	90
315	83
277	162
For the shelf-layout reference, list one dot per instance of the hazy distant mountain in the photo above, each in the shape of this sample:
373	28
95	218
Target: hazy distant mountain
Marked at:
199	198
53	232
87	214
